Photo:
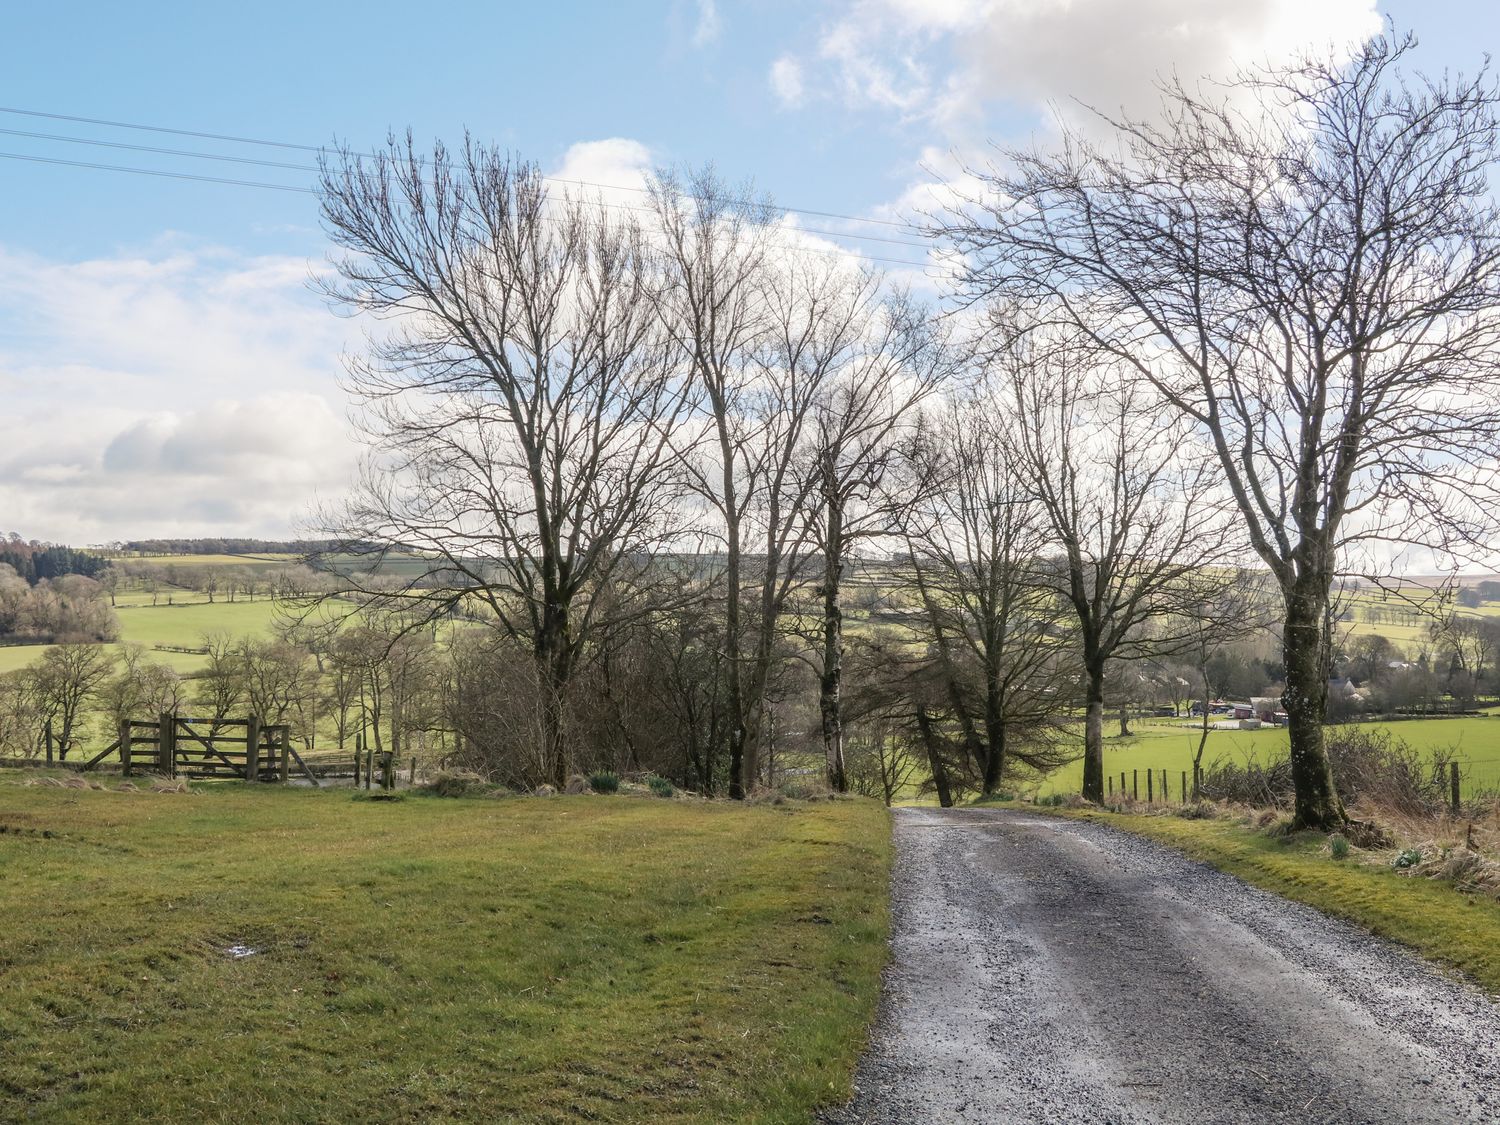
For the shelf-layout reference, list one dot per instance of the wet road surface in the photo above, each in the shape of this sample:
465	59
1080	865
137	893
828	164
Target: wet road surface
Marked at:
1056	970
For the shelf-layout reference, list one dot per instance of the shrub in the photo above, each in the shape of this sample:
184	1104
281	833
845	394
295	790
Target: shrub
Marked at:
1407	857
1338	846
1052	800
457	783
604	782
660	786
1198	810
1368	765
804	788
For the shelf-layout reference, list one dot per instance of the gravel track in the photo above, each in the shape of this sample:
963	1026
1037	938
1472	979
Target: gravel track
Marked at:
1056	970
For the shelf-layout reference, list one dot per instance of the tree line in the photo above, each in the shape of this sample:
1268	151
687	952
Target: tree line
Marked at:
643	444
35	561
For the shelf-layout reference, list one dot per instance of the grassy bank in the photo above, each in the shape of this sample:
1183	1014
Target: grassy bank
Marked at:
1432	917
524	959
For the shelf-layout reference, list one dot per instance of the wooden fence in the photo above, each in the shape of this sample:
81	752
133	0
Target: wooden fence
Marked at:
181	746
1161	790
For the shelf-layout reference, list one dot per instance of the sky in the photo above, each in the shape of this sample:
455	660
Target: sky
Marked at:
166	367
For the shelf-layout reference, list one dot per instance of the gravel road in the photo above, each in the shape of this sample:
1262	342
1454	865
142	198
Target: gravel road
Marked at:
1053	970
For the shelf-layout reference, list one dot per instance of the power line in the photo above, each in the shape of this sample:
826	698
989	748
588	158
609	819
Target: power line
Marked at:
163	174
160	151
314	168
153	172
320	148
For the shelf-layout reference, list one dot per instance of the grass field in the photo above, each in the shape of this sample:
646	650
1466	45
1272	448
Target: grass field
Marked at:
1169	746
609	959
266	561
181	624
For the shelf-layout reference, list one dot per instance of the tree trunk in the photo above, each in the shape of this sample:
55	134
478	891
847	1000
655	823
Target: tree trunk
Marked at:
553	655
830	685
1093	737
934	760
1306	700
995	737
737	717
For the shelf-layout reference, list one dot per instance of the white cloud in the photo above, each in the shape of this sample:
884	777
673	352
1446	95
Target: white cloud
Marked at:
185	391
706	31
948	61
613	170
786	81
1111	55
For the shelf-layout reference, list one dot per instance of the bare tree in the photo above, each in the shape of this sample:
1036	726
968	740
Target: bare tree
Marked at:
978	537
743	324
67	680
519	409
1312	283
885	357
1130	507
221	682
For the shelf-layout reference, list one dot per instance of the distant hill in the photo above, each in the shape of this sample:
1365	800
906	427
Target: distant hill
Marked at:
226	546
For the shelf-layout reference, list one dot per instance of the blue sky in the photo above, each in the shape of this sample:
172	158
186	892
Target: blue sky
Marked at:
163	365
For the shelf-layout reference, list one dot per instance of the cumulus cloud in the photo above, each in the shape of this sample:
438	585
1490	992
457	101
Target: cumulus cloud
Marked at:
182	391
614	170
949	61
967	72
1111	56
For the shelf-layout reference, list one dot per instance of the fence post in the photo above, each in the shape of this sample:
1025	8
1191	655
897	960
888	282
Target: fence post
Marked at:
388	770
286	755
252	748
1150	795
1165	796
1135	785
369	765
125	748
359	751
1122	785
1453	786
1184	788
164	744
1110	781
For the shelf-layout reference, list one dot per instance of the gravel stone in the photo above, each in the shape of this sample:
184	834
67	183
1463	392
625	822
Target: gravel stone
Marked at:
1062	971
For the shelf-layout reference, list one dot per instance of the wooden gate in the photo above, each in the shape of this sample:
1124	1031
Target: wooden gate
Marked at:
179	746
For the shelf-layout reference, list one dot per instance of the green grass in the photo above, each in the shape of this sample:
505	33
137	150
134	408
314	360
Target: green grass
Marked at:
268	561
596	958
1169	746
1457	929
182	625
185	625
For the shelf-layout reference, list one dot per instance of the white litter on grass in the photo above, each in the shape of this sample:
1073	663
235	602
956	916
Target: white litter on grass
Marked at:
239	952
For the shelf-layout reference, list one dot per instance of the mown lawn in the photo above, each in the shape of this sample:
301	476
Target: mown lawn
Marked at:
592	958
1438	920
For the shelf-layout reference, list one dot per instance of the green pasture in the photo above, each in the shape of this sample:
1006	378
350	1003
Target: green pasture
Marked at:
1163	745
181	625
267	561
184	625
522	959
